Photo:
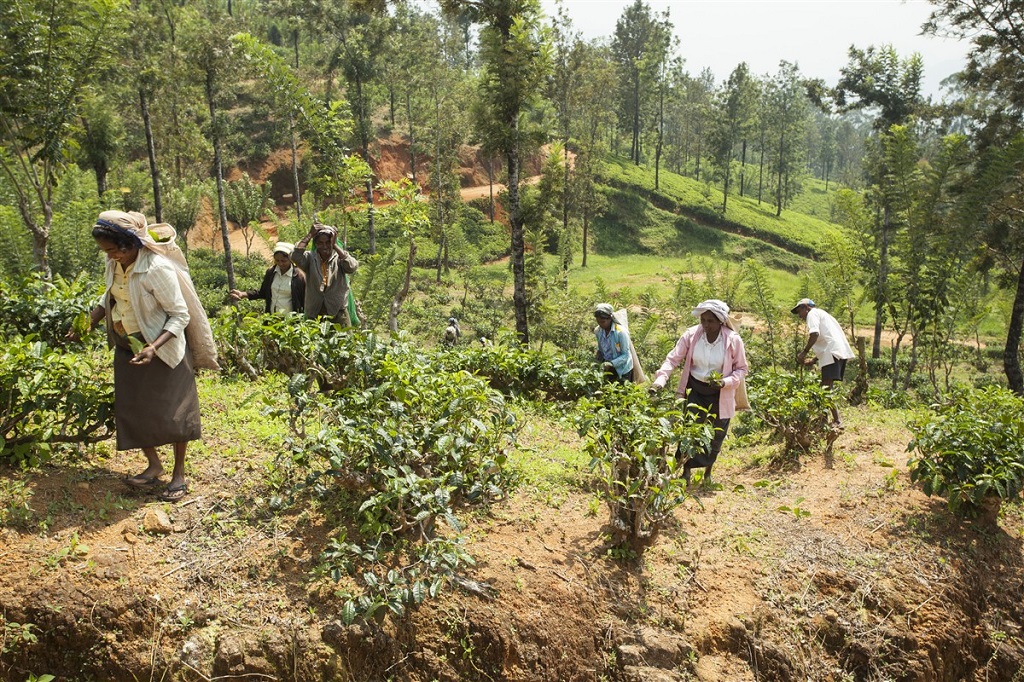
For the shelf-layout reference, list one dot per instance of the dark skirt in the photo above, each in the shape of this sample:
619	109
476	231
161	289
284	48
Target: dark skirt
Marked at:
705	395
153	404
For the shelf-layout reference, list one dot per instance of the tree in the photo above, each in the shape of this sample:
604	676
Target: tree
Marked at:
515	54
787	115
640	47
736	106
50	56
878	79
101	137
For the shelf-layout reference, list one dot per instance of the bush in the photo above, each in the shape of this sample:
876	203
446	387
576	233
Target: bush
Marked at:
969	447
632	441
46	309
51	397
408	442
795	409
246	201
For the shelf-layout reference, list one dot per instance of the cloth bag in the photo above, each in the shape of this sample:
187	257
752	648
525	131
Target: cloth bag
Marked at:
620	318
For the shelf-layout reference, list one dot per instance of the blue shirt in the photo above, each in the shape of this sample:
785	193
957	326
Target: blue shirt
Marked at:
613	346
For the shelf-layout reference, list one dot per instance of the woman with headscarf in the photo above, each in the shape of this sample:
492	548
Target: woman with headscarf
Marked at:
714	366
452	333
613	345
326	266
284	285
147	306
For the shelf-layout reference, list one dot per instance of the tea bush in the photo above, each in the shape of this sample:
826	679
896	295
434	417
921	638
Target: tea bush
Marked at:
632	439
46	309
795	410
407	440
970	446
48	397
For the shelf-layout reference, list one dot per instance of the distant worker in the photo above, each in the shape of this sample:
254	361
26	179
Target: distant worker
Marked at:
826	338
327	267
284	285
613	345
714	367
452	333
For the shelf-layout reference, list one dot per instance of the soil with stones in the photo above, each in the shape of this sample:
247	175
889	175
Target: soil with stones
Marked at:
839	570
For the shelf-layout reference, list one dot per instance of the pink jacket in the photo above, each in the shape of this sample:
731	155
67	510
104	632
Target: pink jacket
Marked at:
733	370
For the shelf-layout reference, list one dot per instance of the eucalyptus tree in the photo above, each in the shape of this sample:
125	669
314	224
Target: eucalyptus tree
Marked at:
698	111
736	102
212	61
50	55
515	54
994	73
788	116
100	138
360	34
879	80
640	45
569	53
595	116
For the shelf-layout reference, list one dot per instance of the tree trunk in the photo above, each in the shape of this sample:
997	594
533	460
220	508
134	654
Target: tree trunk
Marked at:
412	139
635	149
743	168
100	169
396	302
1011	352
661	138
154	170
882	284
586	227
782	176
229	265
371	215
760	170
490	185
295	170
725	186
518	247
295	46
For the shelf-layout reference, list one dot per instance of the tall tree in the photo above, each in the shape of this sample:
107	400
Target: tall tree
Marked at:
879	80
994	69
736	112
516	59
50	54
788	112
640	46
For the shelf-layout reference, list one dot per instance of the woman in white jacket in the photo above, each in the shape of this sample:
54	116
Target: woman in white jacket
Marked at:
714	365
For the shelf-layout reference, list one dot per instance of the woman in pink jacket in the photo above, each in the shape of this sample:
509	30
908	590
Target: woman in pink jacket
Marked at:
714	365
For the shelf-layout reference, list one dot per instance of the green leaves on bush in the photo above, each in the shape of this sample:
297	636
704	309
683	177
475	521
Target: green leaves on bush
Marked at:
632	441
795	410
45	309
970	447
48	397
404	440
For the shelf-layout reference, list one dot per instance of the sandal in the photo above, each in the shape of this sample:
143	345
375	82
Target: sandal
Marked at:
141	482
173	493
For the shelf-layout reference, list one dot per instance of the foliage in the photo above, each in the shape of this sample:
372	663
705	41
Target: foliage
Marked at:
181	207
632	440
795	410
49	397
970	446
246	201
46	309
409	441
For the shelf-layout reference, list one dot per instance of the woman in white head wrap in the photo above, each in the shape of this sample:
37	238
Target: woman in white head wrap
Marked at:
147	316
714	365
284	285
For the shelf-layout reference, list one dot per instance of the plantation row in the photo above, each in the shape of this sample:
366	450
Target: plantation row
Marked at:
390	437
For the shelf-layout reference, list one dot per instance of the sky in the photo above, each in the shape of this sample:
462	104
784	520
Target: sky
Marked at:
815	34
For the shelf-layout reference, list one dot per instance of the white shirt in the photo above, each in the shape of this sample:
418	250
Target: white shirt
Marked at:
707	357
831	344
281	291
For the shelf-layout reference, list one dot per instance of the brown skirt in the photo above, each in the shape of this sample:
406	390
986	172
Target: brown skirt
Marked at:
153	404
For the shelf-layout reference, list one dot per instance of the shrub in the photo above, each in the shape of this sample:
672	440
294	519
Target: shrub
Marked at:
632	441
969	447
246	201
46	309
795	410
409	442
49	397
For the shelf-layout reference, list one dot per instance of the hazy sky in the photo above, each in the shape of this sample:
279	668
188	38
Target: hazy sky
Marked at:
816	34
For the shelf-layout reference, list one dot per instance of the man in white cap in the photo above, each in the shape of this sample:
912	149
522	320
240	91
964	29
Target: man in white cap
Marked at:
826	338
284	285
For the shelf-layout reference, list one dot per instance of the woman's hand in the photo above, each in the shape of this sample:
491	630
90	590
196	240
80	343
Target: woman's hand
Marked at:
237	295
144	356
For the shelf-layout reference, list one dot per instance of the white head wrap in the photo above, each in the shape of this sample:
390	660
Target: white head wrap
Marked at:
720	309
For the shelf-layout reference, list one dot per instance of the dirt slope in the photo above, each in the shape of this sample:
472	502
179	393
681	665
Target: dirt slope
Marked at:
837	571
